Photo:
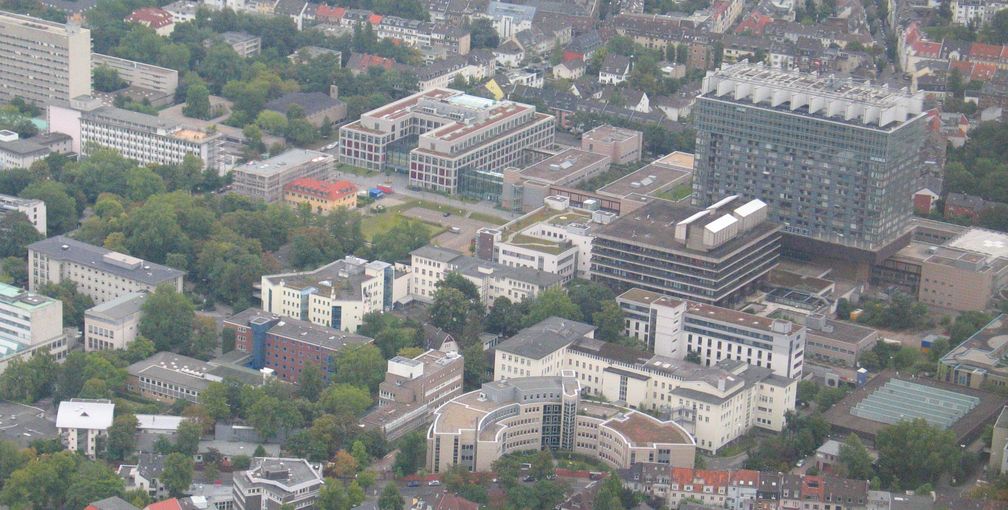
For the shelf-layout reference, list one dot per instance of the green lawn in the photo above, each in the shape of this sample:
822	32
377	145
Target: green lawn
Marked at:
677	193
374	224
434	206
487	218
355	170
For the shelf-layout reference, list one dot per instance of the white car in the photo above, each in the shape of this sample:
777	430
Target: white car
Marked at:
434	483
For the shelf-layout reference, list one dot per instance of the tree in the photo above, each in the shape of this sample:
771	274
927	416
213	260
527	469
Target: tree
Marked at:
197	103
167	318
310	382
391	498
215	401
996	32
450	310
142	182
912	453
360	454
503	318
474	366
542	465
188	437
178	473
16	233
107	79
12	458
343	465
42	482
828	397
269	415
609	495
855	459
482	34
272	122
412	454
361	364
74	303
333	496
28	381
608	322
589	296
396	243
203	340
121	437
807	391
345	399
61	209
552	303
507	469
91	482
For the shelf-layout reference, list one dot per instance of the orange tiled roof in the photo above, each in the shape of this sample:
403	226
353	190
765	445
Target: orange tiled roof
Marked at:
151	16
324	11
322	189
700	477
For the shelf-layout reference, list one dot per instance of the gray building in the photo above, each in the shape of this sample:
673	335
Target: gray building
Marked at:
265	179
272	483
43	62
835	159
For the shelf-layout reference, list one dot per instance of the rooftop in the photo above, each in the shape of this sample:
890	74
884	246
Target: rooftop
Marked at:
291	474
310	102
298	330
80	413
609	133
284	161
480	269
545	337
329	190
23	424
339	279
22	299
107	261
191	373
119	308
568	162
37	23
643	430
652	178
842	331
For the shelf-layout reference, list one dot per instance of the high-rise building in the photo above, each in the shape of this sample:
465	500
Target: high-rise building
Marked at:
835	159
43	62
34	209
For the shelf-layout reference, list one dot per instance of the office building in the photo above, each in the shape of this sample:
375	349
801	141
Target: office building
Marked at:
715	403
446	140
675	328
34	209
139	74
716	255
285	345
835	160
272	483
245	45
977	361
265	180
43	62
29	323
337	295
15	153
430	264
524	189
623	146
113	324
533	413
837	345
81	422
412	390
167	377
321	197
318	108
102	275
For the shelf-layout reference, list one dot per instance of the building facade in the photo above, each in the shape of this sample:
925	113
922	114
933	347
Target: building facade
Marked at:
265	180
413	389
834	160
430	265
103	275
139	74
524	189
113	324
976	362
167	377
81	422
273	483
623	146
30	323
34	209
44	62
321	197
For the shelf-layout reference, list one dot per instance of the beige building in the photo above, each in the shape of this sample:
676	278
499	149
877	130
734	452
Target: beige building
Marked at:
100	274
113	324
535	413
265	180
43	62
82	421
559	244
977	361
999	445
524	189
139	74
29	323
167	377
623	146
34	209
837	344
413	389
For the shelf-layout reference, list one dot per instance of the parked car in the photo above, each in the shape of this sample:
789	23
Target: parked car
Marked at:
434	483
413	483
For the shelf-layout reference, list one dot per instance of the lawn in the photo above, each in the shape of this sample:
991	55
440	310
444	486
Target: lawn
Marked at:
487	218
355	170
677	193
374	224
434	206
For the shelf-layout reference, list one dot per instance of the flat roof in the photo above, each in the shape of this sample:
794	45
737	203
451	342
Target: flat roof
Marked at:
546	337
560	166
23	424
79	413
284	161
36	23
842	331
120	307
983	241
299	330
22	299
643	430
72	250
649	179
610	133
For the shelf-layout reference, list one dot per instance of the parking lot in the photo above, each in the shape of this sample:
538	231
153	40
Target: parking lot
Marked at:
460	240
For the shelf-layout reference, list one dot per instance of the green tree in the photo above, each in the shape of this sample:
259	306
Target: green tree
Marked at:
188	437
311	381
507	469
61	208
215	401
482	34
42	482
912	453
121	437
503	318
855	459
142	182
74	302
91	482
542	465
608	322
272	122
360	454
153	231
197	103
203	339
12	458
333	496
412	454
609	495
361	364
996	32
28	381
450	310
167	318
589	296
396	243
475	366
16	233
177	474
345	399
391	498
552	303
828	397
106	79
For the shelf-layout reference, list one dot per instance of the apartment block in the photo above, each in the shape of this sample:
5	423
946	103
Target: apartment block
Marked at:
978	12
113	324
139	74
524	189
272	483
321	197
103	275
835	160
337	295
265	180
81	422
167	377
715	403
446	140
22	153
29	323
675	328
43	62
623	146
560	244
413	389
430	264
35	210
533	413
717	255
285	345
245	45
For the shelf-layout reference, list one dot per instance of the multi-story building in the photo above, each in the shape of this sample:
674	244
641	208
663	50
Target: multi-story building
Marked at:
446	140
337	295
29	323
977	361
167	377
524	189
623	146
321	196
533	413
835	160
430	264
975	12
273	483
102	275
716	255
837	345
998	462
82	421
265	180
34	209
43	62
245	45
139	74
15	153
113	324
155	18
413	388
675	328
286	345
716	403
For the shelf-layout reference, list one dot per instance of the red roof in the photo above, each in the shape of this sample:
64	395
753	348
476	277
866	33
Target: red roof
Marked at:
322	189
151	16
745	478
452	502
324	11
700	477
755	23
985	50
168	504
362	61
375	19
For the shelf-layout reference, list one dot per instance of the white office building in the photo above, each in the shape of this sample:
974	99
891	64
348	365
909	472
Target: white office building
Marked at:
35	210
82	421
113	324
29	323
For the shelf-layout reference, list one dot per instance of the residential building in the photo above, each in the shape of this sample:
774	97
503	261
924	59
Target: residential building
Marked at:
715	403
271	483
321	197
623	146
44	62
145	475
29	323
532	413
318	108
139	74
82	421
111	503
160	20
102	275
509	19
15	153
560	244
441	73
265	180
430	264
337	295
524	189
448	141
716	255
656	31
34	209
975	12
113	324
999	444
837	345
836	169
245	45
615	69
182	10
675	328
167	377
285	345
413	389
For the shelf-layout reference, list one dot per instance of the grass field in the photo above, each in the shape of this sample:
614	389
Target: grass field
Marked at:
363	172
487	218
677	193
374	224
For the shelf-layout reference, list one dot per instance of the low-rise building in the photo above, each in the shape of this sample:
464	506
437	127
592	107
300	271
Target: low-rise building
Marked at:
977	361
265	180
623	146
30	323
157	19
139	74
167	377
318	108
321	197
837	344
245	45
113	324
271	483
430	264
999	444
615	70
82	421
524	189
34	209
103	275
15	153
285	345
145	475
413	389
560	243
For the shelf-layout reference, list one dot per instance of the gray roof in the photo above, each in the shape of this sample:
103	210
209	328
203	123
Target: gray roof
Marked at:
299	472
436	253
310	102
122	307
121	116
236	37
24	147
300	331
232	448
283	161
545	337
479	269
93	257
112	503
167	366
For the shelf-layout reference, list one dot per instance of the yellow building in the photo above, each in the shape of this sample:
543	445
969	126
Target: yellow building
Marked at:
322	196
